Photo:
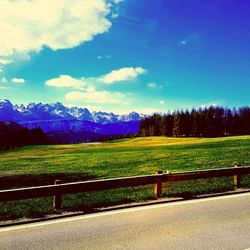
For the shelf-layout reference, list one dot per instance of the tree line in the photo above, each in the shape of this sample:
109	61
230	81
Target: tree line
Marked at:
14	136
203	122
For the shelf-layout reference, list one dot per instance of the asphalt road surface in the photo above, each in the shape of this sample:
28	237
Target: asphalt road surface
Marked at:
211	223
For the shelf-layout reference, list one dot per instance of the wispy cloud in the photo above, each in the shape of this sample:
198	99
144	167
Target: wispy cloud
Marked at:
18	80
117	1
4	87
96	97
89	107
90	89
104	57
208	105
123	74
152	85
182	43
191	39
150	111
4	80
5	61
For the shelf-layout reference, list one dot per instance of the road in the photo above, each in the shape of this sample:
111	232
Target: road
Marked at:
209	223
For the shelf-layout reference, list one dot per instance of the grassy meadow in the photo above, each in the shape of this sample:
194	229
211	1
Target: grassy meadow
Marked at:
41	165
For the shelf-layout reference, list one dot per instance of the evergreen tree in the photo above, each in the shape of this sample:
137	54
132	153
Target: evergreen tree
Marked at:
204	122
176	124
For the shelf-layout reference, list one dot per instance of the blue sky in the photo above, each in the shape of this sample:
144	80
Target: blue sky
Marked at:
120	56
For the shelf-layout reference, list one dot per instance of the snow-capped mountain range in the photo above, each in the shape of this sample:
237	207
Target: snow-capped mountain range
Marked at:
57	111
69	124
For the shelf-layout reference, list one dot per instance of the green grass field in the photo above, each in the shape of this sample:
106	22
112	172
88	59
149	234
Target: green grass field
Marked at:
41	165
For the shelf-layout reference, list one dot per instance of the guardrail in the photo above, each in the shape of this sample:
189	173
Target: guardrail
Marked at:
158	179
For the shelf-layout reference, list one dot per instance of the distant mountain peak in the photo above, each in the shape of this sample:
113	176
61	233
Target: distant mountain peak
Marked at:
5	102
57	111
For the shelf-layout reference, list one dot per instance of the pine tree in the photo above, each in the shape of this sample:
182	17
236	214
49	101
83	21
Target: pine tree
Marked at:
176	124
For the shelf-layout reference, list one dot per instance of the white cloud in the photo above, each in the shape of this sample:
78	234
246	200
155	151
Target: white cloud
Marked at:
150	111
208	105
4	80
140	70
152	84
95	97
93	108
89	107
114	15
90	89
18	80
4	87
89	94
104	57
117	1
123	74
30	25
162	102
5	61
182	43
147	111
191	39
65	81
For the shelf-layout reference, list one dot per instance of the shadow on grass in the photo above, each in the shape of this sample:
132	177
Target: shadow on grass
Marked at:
28	180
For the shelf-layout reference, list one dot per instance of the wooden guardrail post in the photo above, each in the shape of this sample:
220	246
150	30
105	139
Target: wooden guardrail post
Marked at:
158	187
57	200
236	178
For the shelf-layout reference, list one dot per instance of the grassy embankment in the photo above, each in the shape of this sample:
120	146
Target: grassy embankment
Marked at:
41	165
